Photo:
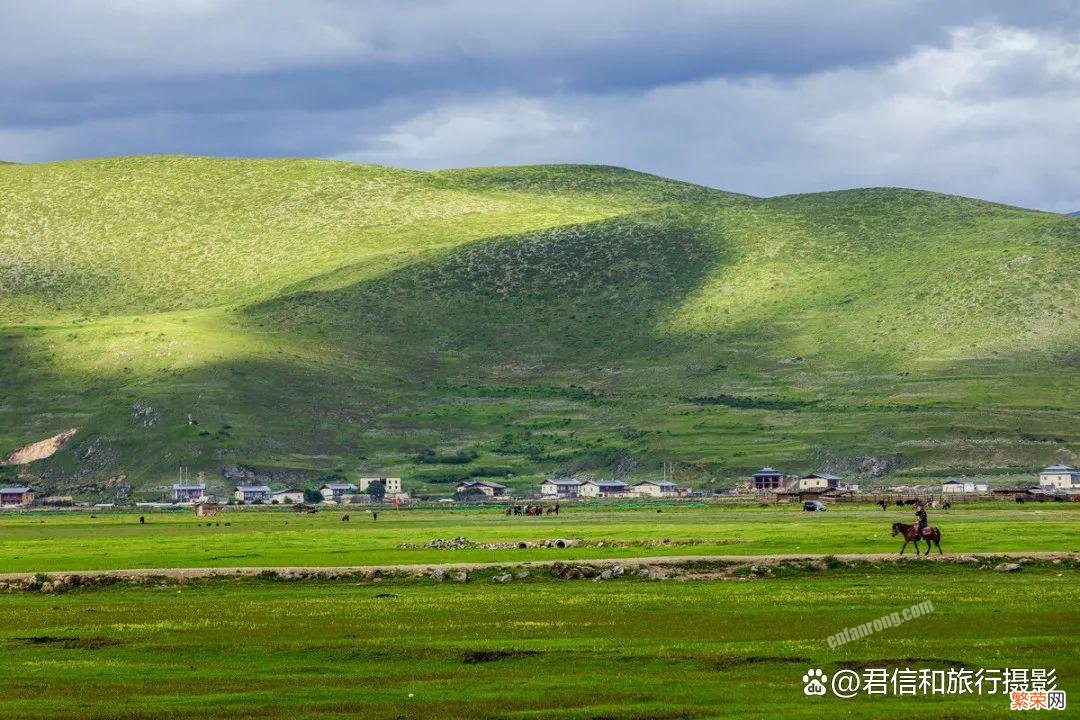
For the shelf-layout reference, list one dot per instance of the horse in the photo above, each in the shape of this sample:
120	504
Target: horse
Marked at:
911	535
884	505
345	517
946	505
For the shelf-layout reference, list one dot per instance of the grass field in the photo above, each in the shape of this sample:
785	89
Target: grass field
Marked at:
324	319
535	648
33	542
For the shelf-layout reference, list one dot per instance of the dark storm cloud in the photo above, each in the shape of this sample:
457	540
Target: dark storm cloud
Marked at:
436	83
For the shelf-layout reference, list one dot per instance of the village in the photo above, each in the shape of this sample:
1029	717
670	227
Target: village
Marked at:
766	486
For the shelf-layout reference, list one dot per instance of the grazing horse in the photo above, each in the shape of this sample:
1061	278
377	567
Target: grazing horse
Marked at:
911	535
883	503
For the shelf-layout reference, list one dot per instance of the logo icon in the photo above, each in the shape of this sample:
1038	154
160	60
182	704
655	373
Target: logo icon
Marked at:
814	682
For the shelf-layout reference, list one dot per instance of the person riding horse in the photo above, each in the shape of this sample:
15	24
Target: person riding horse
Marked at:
920	513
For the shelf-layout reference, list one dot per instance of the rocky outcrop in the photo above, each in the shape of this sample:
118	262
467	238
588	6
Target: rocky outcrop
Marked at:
144	414
249	474
39	450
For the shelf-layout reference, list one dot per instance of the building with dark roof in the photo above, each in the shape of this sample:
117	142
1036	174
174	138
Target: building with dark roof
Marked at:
560	487
252	493
818	481
603	488
1063	477
188	493
491	489
16	496
768	479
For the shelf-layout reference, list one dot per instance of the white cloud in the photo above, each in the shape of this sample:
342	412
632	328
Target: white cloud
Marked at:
505	127
757	96
940	118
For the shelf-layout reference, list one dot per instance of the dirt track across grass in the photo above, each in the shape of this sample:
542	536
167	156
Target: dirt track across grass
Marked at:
663	560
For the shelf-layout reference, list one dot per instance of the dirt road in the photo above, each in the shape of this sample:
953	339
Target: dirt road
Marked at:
629	562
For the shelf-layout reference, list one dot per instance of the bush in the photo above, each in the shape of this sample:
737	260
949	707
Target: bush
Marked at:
430	457
739	401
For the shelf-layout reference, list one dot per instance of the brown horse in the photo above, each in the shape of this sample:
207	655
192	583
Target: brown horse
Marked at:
911	535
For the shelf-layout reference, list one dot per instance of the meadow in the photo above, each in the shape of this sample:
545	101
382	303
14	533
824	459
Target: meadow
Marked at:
533	648
257	537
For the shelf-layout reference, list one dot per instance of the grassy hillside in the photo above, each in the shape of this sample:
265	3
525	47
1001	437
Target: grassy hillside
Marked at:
319	318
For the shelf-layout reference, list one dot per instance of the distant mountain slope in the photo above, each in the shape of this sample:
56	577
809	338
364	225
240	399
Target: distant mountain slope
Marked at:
319	318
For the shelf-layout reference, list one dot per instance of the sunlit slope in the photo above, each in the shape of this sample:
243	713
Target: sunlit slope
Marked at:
320	317
147	234
896	276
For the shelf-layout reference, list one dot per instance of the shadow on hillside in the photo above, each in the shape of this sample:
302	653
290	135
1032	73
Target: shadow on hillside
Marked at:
565	297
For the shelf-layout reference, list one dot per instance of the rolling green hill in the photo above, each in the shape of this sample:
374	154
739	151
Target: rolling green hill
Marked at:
319	318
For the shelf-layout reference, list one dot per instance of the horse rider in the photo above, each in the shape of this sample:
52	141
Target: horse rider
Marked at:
920	513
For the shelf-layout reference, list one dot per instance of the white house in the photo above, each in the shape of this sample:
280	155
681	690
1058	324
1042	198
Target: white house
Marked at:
490	489
290	496
393	486
334	491
655	488
819	481
560	487
252	493
1059	476
956	486
602	488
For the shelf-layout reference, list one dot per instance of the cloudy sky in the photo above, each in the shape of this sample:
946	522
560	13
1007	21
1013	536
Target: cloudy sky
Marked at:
975	97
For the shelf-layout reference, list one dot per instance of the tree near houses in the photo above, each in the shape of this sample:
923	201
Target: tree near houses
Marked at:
377	491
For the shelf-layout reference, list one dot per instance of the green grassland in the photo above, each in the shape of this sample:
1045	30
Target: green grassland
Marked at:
39	542
534	648
322	318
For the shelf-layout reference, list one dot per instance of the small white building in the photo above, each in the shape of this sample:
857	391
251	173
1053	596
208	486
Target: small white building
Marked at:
1063	477
957	486
603	488
252	493
560	487
819	481
333	492
290	496
656	488
394	488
